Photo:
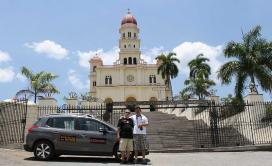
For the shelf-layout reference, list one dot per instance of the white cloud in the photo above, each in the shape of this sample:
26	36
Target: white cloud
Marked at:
4	56
75	80
49	48
149	55
108	57
187	51
20	77
6	74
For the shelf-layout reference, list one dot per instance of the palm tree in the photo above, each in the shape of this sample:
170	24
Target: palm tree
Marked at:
168	68
198	82
40	83
253	62
197	86
199	67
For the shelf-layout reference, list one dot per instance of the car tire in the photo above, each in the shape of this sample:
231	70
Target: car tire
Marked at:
43	150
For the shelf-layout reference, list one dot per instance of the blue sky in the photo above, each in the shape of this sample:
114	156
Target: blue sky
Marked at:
60	36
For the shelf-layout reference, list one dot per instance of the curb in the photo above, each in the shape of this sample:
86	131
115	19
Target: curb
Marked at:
267	147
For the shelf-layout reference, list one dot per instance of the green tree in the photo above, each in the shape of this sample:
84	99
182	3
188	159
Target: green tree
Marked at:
199	67
198	83
39	84
197	86
168	68
252	62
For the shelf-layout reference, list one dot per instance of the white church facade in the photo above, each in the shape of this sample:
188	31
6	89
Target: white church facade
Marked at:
130	78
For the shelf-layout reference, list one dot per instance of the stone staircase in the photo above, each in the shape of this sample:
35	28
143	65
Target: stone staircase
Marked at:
166	131
169	132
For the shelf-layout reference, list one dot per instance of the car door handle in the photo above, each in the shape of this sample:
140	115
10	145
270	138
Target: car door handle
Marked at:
83	135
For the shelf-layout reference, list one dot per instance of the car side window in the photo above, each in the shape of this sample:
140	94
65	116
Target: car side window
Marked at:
67	123
90	124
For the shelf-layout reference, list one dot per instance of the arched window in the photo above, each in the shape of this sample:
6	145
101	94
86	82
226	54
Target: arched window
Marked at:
134	61
135	35
152	79
94	68
125	46
129	34
134	45
110	80
130	60
106	80
124	35
125	61
94	83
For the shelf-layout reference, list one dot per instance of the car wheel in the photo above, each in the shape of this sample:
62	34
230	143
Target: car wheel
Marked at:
43	150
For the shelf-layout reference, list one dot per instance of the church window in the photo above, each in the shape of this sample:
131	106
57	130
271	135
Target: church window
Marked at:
130	60
125	61
152	79
125	46
129	34
94	68
94	83
134	61
124	35
108	80
134	45
135	35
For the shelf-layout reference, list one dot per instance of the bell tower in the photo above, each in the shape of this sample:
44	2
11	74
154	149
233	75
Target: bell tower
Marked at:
129	42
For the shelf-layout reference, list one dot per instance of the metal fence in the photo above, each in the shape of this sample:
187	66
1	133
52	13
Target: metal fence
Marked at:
218	125
98	111
12	121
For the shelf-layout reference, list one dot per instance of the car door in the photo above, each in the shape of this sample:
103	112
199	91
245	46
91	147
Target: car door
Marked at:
63	129
98	138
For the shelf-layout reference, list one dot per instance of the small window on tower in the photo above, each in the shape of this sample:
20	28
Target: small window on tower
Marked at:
125	46
129	34
134	45
94	68
130	60
135	35
124	35
94	83
125	61
134	61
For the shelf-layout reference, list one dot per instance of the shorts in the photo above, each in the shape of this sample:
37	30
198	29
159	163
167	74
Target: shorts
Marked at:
140	142
126	144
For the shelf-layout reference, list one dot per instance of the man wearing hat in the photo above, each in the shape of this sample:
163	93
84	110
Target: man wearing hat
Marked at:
125	135
139	133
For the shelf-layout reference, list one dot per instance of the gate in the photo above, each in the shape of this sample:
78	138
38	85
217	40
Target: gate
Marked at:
12	121
222	125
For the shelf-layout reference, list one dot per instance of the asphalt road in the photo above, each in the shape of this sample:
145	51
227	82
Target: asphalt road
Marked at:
22	158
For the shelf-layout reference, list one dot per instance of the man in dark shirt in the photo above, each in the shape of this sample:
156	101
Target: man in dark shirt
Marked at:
125	135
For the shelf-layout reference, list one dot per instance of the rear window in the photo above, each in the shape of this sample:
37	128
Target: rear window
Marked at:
40	122
67	123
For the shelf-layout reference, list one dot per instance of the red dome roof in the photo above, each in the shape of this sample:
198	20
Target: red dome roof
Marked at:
129	18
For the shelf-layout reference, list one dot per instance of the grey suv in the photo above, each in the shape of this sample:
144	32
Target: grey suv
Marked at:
71	134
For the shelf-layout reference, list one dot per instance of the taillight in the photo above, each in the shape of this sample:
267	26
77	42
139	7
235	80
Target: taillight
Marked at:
31	128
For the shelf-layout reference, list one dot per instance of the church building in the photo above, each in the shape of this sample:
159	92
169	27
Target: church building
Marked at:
130	78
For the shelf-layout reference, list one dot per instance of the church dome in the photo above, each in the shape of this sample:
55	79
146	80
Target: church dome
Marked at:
129	18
